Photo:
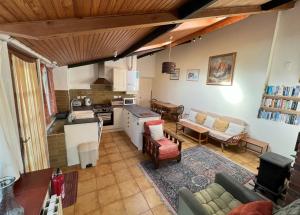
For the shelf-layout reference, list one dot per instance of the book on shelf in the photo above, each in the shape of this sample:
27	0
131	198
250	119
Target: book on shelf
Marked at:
281	104
283	91
292	119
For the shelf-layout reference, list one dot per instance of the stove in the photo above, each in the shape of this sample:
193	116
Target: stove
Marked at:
104	112
102	108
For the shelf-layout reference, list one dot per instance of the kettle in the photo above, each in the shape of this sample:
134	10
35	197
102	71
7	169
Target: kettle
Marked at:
87	101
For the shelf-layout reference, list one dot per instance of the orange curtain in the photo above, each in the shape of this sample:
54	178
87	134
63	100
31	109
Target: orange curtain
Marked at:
30	114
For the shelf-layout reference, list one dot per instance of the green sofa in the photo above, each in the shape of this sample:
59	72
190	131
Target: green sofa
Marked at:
220	197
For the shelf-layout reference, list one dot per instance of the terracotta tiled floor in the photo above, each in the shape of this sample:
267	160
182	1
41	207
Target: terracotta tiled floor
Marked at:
118	186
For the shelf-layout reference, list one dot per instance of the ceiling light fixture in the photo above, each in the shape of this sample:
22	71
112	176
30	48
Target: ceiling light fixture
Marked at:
115	53
169	67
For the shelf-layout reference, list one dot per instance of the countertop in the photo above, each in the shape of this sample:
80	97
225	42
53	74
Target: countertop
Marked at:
140	112
81	121
31	190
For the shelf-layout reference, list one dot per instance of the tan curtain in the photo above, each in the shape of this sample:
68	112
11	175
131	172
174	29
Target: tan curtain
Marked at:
31	119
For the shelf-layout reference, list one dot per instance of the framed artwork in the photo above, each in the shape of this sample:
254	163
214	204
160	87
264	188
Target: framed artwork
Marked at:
175	76
221	69
192	74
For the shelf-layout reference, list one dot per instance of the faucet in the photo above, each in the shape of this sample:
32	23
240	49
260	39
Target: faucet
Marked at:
71	105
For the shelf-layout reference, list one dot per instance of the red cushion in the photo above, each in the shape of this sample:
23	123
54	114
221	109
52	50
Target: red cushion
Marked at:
167	149
153	122
254	208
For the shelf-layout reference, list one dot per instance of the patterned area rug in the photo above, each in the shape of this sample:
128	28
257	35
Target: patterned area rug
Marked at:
196	170
71	182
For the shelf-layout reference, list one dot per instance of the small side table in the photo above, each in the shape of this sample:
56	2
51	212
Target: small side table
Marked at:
262	146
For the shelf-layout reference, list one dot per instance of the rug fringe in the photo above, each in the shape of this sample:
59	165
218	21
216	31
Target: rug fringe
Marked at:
171	209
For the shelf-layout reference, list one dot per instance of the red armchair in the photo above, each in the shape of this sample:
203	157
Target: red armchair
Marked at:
167	148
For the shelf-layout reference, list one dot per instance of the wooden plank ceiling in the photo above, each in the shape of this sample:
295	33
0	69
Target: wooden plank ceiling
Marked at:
76	47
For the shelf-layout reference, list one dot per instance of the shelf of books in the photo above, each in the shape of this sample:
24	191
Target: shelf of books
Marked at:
281	104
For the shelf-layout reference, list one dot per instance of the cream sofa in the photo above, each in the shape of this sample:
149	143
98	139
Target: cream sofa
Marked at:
233	133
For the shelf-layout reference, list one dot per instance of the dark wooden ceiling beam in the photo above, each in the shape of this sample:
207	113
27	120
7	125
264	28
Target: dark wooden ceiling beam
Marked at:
221	24
48	29
183	12
275	3
91	62
193	6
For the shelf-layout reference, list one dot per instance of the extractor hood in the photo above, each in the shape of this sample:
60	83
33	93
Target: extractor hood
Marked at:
102	82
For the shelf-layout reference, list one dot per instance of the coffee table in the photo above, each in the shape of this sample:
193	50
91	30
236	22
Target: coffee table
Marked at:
203	133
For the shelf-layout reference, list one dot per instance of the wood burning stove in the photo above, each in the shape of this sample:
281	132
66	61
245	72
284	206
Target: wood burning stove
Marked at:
273	170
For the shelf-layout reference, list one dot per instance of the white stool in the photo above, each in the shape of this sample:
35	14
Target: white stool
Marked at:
88	154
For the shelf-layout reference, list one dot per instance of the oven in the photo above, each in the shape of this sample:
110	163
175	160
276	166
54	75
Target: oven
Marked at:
105	112
108	118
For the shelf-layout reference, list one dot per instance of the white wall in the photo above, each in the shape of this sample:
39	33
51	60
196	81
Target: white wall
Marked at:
252	40
61	78
81	77
146	66
286	60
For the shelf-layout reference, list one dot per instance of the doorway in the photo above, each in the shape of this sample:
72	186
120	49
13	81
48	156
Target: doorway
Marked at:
144	93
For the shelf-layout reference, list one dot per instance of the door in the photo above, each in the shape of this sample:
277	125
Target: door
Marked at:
30	113
119	80
144	93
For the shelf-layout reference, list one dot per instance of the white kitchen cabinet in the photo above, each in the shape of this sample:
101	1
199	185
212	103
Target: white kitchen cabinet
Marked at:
118	117
76	134
138	129
119	79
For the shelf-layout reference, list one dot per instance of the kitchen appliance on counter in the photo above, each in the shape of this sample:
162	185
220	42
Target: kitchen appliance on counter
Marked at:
87	101
76	103
105	112
129	101
117	102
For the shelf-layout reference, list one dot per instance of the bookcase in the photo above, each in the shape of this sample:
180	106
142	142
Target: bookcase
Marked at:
281	104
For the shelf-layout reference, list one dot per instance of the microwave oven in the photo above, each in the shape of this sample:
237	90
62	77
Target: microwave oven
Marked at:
128	101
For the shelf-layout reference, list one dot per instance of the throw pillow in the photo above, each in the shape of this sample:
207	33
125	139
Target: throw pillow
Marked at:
254	208
234	129
156	132
221	125
200	118
209	122
192	115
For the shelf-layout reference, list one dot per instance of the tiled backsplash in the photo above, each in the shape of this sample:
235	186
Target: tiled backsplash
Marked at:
97	96
62	100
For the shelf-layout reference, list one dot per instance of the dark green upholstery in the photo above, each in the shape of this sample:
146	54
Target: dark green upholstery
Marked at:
217	199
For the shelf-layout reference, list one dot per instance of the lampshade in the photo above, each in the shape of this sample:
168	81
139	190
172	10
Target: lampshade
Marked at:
168	67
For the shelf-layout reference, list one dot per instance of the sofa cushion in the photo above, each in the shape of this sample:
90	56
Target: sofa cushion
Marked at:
156	132
167	149
234	129
219	135
291	209
152	122
200	118
192	116
251	208
209	122
221	125
216	200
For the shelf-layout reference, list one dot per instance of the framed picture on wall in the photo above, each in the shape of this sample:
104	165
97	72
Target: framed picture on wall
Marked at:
192	74
175	76
221	69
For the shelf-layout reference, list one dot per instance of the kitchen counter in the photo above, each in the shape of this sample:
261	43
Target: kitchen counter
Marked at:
140	112
82	121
